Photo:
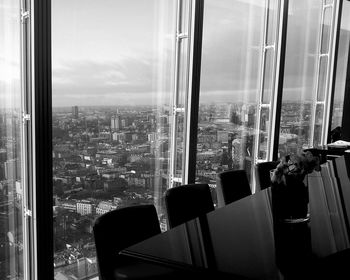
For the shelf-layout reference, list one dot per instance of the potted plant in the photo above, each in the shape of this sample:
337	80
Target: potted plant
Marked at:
289	191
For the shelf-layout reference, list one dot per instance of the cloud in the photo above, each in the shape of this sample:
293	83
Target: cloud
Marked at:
231	64
10	83
86	76
10	94
130	80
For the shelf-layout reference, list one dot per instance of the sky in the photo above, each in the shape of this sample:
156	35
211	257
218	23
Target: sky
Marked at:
122	52
110	51
9	54
117	52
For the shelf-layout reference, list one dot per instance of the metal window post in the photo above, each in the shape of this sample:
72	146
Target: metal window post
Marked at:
192	106
281	54
330	55
270	104
338	6
42	146
176	109
29	261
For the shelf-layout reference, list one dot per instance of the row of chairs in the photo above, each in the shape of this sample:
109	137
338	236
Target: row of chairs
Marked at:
187	202
124	227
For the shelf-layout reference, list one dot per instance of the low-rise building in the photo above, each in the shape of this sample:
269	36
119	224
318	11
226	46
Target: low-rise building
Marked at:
104	207
85	207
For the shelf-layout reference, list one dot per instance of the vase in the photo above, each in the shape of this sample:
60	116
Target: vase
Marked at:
290	200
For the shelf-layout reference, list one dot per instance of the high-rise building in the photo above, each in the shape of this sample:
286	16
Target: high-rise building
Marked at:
124	122
2	172
12	169
75	112
3	155
115	123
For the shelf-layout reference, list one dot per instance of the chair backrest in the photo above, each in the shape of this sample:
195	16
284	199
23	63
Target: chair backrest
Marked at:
121	228
232	185
263	173
186	202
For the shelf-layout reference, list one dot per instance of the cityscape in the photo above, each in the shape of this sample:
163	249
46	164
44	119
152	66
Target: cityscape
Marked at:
106	158
115	141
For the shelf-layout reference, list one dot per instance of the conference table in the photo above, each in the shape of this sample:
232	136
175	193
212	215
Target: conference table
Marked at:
246	240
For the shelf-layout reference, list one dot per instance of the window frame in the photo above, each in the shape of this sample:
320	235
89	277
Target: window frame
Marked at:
26	18
276	48
329	82
42	117
335	63
194	92
346	106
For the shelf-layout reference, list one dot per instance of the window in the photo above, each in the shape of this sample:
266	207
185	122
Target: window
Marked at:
114	115
11	185
122	105
306	76
341	70
237	86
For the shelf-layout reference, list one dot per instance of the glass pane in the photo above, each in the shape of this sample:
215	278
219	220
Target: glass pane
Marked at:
113	79
326	30
184	18
11	237
230	79
318	124
342	60
268	76
300	74
183	73
272	22
322	78
180	142
264	133
183	53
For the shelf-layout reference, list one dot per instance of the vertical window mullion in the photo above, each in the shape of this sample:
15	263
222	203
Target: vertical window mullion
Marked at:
280	67
274	94
335	48
27	184
268	47
334	39
315	93
42	139
326	100
271	105
182	36
192	104
261	86
172	167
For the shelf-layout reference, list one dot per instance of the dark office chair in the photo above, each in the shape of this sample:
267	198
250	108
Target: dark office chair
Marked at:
121	228
186	202
263	173
232	185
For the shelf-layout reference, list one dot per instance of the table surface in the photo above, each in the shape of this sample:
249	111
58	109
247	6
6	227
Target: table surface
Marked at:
245	240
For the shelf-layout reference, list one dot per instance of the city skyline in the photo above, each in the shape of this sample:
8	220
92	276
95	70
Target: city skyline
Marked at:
99	166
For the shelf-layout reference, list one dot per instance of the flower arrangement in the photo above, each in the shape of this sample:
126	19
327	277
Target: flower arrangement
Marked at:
289	193
295	167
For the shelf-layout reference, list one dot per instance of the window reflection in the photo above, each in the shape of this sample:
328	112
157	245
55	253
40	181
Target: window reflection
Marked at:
11	191
113	69
300	75
233	36
342	62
